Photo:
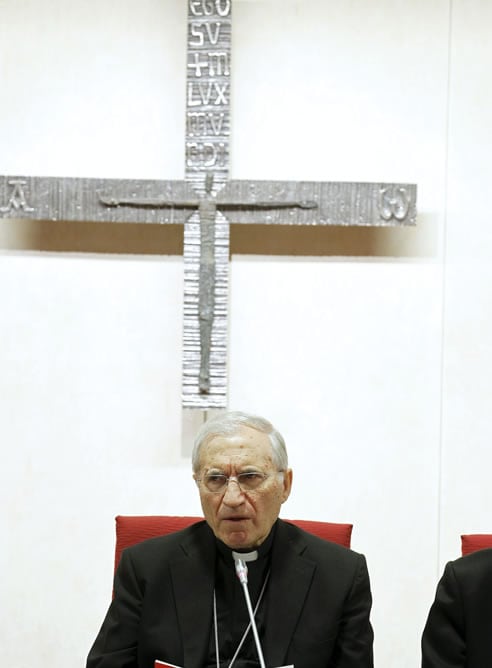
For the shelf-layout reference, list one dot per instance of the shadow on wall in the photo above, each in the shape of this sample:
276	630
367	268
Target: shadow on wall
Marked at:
287	240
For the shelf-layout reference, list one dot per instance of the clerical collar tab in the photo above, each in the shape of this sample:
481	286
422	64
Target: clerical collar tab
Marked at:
245	556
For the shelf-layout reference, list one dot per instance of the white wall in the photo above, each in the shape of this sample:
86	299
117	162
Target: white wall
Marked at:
374	364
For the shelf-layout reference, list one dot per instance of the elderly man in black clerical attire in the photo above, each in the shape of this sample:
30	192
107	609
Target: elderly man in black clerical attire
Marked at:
178	599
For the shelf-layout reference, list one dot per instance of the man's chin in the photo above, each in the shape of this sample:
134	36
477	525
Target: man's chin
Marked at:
237	538
237	541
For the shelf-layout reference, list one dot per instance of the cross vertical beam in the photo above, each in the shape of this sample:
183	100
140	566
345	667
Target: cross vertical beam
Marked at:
206	232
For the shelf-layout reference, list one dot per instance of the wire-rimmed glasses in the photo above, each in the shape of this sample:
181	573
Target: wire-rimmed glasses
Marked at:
249	481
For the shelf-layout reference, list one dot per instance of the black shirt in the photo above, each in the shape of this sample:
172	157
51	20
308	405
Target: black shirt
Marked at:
232	611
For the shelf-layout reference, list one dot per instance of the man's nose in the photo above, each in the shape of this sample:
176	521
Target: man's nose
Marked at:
233	494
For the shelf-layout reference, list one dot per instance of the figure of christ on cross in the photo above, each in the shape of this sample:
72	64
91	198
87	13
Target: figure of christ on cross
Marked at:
207	211
201	201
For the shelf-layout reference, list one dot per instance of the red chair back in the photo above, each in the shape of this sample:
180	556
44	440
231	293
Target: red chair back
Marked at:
131	529
472	542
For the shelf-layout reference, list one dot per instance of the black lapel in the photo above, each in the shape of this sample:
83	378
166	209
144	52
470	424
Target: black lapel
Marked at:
193	581
290	578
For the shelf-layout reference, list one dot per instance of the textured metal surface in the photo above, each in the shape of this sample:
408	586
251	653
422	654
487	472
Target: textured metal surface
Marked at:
51	198
206	255
211	357
206	201
261	202
208	93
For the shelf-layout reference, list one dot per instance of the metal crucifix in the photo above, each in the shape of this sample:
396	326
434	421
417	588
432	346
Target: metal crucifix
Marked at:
200	203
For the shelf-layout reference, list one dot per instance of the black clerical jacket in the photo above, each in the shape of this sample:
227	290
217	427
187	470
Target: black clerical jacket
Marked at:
317	616
458	632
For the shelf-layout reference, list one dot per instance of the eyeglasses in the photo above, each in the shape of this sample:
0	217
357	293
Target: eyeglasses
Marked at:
249	481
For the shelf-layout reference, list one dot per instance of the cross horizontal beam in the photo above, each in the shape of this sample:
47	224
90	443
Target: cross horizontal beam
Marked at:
251	202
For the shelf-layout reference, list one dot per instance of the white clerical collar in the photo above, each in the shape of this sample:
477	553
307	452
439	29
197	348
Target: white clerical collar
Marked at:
245	556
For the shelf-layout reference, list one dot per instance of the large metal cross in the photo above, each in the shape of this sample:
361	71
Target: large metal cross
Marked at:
200	203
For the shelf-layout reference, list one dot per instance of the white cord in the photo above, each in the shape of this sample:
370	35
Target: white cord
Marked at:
216	630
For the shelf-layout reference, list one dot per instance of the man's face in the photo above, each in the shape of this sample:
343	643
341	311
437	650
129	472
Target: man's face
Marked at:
242	519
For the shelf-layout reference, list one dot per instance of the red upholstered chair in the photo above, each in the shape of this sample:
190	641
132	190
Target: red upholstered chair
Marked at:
472	542
131	529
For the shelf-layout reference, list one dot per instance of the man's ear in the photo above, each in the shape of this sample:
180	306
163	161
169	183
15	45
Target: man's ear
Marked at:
287	484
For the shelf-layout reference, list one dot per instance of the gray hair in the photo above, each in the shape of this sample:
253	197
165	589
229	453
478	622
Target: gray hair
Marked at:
228	423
